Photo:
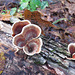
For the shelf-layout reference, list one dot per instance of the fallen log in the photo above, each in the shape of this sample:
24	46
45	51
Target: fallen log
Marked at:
51	61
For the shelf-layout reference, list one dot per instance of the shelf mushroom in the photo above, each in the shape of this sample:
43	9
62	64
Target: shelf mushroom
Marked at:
33	46
17	27
31	31
71	49
18	41
73	55
28	32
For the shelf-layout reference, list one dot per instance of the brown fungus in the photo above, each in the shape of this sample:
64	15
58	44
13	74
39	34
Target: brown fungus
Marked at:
17	27
71	48
33	46
29	32
73	55
19	41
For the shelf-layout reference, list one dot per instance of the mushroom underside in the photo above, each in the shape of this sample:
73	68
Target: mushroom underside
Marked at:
33	46
28	32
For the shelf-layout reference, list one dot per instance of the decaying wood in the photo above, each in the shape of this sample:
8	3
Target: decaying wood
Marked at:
52	59
5	27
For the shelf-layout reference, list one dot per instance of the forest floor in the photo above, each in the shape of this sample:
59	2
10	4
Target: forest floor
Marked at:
10	64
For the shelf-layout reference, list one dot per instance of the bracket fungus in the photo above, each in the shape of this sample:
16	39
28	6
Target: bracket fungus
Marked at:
17	27
71	49
31	31
33	46
73	55
28	39
18	41
28	32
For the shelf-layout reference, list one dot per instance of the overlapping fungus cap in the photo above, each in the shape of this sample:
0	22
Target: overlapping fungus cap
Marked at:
33	46
71	48
73	55
29	32
17	27
19	41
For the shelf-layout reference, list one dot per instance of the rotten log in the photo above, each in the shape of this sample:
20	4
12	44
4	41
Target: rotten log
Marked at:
51	61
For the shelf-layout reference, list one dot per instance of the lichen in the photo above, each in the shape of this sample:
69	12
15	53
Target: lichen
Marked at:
2	62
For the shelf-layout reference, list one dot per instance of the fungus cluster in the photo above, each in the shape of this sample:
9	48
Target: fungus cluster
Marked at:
26	37
71	49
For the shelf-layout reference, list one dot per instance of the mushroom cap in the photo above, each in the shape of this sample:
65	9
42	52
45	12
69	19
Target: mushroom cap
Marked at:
17	27
33	46
71	48
31	31
28	32
18	41
73	55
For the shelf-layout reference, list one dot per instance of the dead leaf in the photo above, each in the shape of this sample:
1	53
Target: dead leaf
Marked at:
35	17
5	17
